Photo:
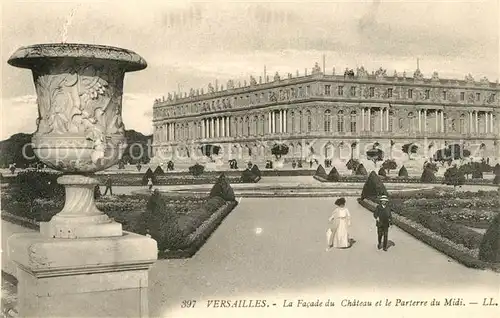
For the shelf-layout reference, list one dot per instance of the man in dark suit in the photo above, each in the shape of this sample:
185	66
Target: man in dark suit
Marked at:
384	220
109	186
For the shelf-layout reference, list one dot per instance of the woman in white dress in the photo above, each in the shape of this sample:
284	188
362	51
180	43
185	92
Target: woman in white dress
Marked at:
341	221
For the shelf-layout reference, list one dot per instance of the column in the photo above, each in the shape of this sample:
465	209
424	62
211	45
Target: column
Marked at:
442	121
387	119
273	113
470	122
381	113
228	126
223	127
437	120
420	120
216	119
425	120
477	122
270	123
285	128
491	123
362	119
203	129
486	123
369	118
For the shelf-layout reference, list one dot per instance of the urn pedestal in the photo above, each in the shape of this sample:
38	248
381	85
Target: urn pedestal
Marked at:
81	263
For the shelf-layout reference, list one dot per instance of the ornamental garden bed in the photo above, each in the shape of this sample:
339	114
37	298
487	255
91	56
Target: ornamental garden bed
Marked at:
438	217
180	224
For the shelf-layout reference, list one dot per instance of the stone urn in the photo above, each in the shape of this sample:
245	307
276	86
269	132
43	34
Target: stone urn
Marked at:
80	131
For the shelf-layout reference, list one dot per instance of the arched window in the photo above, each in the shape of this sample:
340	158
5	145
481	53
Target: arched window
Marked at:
309	121
462	124
411	118
262	123
340	121
292	118
401	123
256	125
445	122
301	120
391	120
327	124
247	126
353	121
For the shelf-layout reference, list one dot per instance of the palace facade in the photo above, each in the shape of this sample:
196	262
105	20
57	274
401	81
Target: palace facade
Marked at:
327	114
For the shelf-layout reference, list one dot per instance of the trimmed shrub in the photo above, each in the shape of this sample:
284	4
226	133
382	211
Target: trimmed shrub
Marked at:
496	180
334	175
454	176
382	173
403	172
427	176
255	170
361	171
197	169
373	188
390	164
247	176
320	172
148	174
158	171
170	165
489	250
352	164
222	189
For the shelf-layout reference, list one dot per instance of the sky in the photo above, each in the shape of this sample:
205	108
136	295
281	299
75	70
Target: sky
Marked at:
191	44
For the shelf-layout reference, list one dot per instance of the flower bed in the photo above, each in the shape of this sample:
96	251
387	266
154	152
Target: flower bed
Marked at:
395	179
432	235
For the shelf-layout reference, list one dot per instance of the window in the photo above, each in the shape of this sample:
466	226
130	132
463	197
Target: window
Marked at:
300	121
327	124
391	120
478	97
353	121
327	90
427	94
353	91
247	126
462	96
292	117
389	92
411	118
308	90
410	93
453	125
301	92
262	123
401	123
372	91
309	121
444	95
340	90
462	124
256	122
293	92
340	121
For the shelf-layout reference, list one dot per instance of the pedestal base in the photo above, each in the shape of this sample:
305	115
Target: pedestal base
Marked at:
55	229
88	277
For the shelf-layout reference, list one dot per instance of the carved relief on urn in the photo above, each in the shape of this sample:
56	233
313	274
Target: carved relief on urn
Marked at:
79	94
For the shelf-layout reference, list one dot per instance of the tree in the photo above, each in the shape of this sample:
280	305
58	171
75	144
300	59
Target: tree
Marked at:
403	172
375	154
373	188
149	174
431	166
454	176
450	153
391	149
390	164
477	170
210	150
256	171
196	169
409	149
279	150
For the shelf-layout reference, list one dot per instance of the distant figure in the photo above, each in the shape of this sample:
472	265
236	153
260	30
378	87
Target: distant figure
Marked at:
138	166
384	220
12	168
294	164
109	186
339	230
310	163
150	184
